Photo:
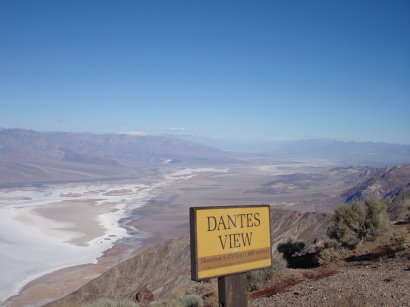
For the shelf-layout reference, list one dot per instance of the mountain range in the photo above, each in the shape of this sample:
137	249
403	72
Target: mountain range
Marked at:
376	154
28	156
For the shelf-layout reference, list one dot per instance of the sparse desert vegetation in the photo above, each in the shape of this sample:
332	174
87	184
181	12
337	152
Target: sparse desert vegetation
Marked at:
374	273
257	278
368	256
355	223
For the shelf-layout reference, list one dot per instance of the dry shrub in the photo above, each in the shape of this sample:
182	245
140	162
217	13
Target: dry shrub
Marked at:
348	225
328	253
211	300
377	220
258	278
202	288
397	242
191	300
355	223
206	290
326	256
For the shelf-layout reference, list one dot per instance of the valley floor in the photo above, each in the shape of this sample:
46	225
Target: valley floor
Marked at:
161	214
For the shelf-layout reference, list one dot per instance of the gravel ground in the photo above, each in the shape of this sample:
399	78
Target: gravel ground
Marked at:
379	283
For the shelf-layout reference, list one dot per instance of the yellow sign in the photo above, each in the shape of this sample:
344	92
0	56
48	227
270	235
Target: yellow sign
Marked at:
229	240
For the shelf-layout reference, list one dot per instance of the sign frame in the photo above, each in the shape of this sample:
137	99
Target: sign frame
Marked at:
194	241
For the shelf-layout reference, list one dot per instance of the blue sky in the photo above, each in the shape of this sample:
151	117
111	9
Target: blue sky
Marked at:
278	70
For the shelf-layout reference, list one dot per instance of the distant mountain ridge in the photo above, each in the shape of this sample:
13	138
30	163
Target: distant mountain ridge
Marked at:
391	184
347	152
29	156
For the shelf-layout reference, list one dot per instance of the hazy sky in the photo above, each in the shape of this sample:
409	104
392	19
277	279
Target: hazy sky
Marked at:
239	69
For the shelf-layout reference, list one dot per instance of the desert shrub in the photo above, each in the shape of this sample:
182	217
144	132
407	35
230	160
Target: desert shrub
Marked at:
278	264
202	288
206	290
105	302
191	300
331	244
377	221
355	223
290	248
257	278
328	253
211	300
397	242
348	225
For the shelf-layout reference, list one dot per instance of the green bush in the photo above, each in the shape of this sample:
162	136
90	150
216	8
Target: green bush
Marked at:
348	225
354	223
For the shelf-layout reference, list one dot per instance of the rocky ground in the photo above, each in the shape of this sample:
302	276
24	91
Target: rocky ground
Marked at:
368	279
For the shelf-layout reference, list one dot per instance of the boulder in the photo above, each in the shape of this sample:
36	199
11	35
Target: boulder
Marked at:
144	296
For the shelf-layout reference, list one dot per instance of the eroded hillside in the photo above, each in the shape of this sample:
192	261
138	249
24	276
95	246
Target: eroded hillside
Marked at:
391	185
165	269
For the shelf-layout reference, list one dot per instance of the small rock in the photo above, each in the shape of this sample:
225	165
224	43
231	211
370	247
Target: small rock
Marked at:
144	296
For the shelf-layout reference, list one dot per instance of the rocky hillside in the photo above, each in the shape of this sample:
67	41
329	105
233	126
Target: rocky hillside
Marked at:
368	276
389	184
165	269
